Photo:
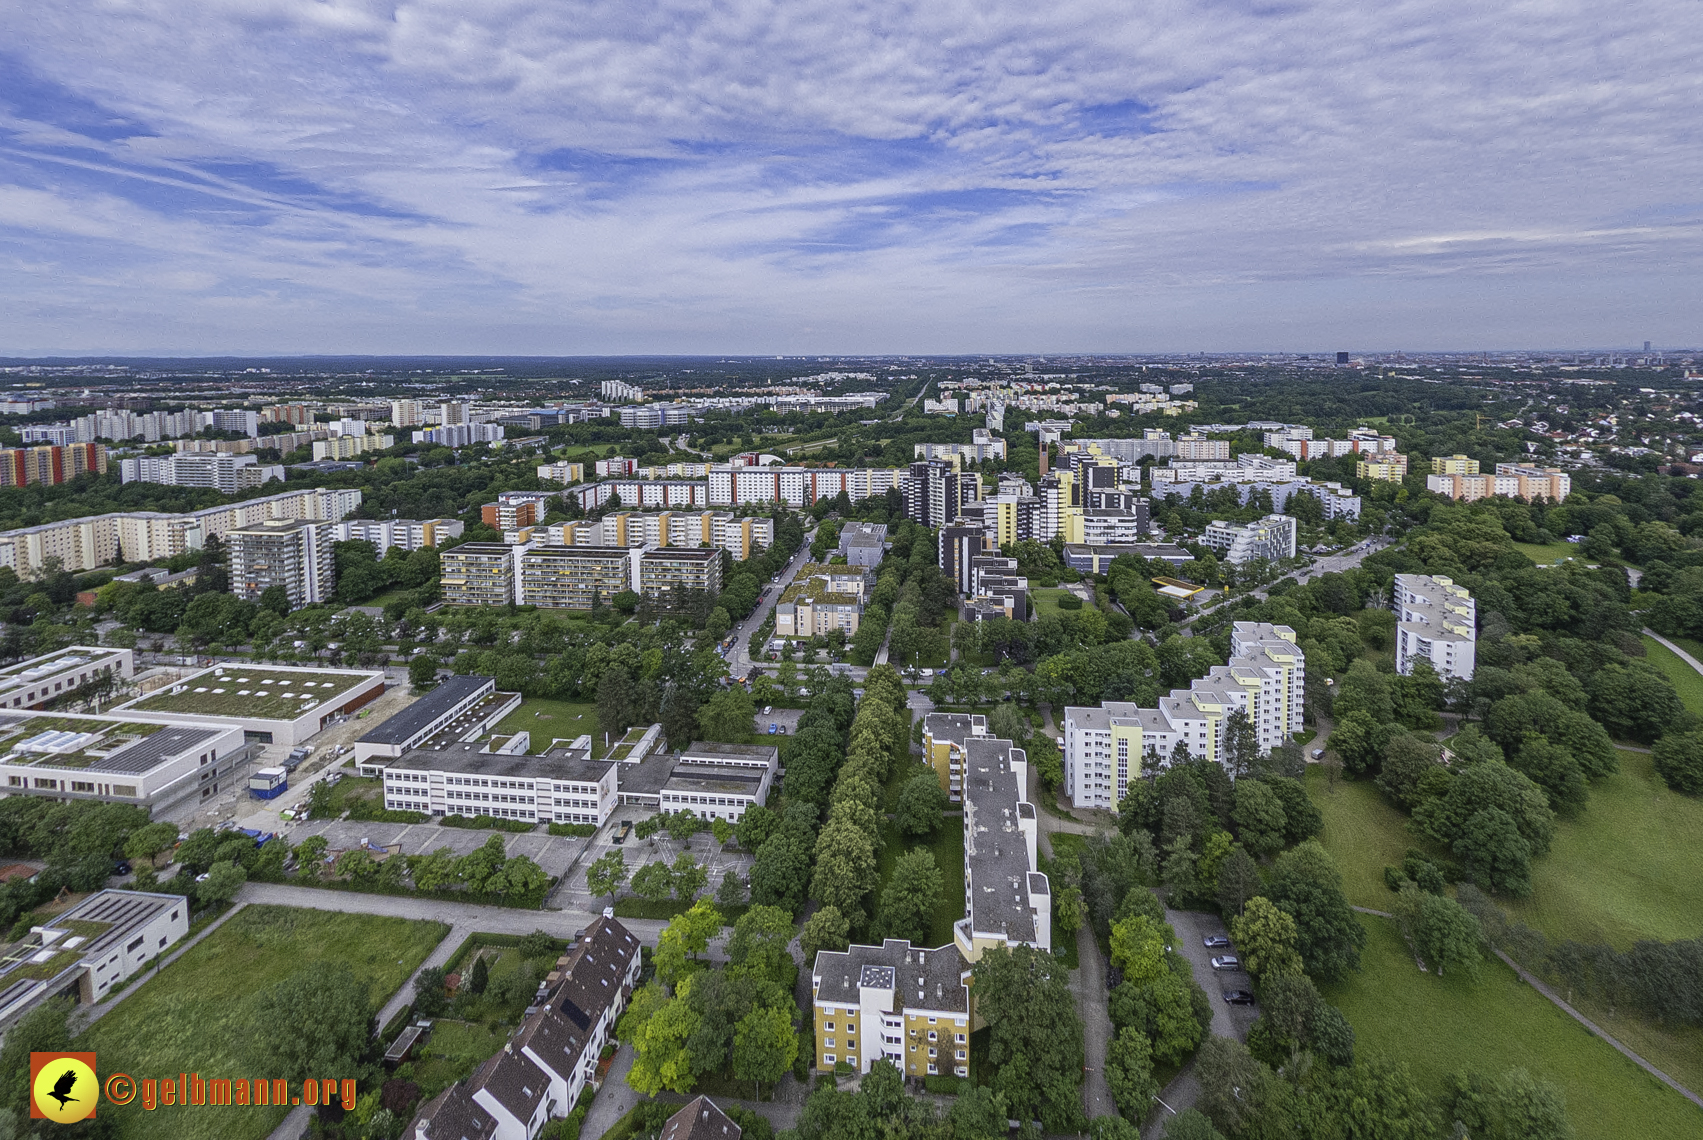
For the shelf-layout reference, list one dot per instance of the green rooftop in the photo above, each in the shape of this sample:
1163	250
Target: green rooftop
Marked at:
107	737
243	691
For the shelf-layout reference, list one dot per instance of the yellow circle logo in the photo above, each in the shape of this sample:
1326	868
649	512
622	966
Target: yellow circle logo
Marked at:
65	1090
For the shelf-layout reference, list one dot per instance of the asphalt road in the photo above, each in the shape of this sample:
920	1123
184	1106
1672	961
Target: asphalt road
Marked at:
739	656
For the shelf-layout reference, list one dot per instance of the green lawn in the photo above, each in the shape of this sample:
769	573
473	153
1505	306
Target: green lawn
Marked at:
1687	682
193	1017
1046	601
1629	867
948	847
1363	833
1438	1025
1548	554
455	1050
546	719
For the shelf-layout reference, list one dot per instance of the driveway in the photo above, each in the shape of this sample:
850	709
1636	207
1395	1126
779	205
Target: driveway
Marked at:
554	853
739	656
1227	1020
1089	986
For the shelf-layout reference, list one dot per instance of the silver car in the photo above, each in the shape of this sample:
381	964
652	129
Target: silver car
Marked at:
1227	962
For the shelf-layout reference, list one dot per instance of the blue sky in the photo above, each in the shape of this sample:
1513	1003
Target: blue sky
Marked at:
552	176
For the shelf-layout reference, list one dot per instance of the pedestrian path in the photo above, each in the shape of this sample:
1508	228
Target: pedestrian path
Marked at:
1597	1030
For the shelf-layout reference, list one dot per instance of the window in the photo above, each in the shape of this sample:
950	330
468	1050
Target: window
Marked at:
827	1058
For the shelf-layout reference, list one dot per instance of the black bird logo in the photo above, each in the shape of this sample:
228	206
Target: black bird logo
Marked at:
62	1087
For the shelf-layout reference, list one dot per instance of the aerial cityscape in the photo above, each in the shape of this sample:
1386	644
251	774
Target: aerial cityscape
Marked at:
872	572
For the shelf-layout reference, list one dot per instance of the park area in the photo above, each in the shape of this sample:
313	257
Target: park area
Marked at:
1629	866
194	1016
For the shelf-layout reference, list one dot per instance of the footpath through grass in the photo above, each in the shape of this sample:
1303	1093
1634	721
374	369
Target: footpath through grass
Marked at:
193	1017
1438	1025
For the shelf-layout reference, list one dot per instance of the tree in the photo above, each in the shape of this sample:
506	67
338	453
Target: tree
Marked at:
1191	1123
908	901
1553	769
690	876
1304	882
536	945
1259	818
729	716
654	881
422	671
781	873
1287	1006
275	599
310	856
731	893
1138	948
1035	1035
1406	761
660	1058
1489	785
606	874
922	805
1440	930
685	937
1129	1073
1678	759
845	869
326	1008
1241	746
147	842
1238	881
1494	854
430	1000
722	830
1266	936
616	706
223	882
760	945
1358	740
480	977
764	1047
827	929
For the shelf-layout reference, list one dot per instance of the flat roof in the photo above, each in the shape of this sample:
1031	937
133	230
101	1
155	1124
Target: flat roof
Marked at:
430	708
996	852
710	778
254	692
26	673
768	753
572	765
97	745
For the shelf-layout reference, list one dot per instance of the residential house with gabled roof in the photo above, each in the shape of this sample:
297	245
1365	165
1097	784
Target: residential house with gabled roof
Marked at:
544	1067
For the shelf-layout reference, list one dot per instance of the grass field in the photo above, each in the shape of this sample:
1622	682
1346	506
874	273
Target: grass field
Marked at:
1438	1025
1363	833
193	1016
545	719
1687	682
1548	554
1629	867
948	847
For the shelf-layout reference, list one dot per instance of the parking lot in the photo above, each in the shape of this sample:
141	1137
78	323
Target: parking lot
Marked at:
553	853
660	847
784	719
1227	1020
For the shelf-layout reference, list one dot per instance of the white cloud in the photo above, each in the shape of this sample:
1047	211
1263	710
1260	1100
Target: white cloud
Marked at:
538	176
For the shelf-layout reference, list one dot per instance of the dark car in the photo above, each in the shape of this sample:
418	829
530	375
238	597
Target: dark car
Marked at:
122	867
1216	942
1238	997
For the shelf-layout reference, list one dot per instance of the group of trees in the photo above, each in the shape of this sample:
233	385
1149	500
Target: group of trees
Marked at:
881	1109
692	1020
910	596
878	744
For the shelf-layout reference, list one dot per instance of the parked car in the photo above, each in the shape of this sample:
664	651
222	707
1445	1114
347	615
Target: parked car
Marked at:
768	710
1238	997
773	728
1318	754
1216	942
121	867
1227	962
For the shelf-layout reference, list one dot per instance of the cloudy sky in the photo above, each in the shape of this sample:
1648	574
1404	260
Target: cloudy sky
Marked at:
554	176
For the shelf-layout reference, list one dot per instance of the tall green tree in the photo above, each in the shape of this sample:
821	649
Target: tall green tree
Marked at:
1035	1035
1305	883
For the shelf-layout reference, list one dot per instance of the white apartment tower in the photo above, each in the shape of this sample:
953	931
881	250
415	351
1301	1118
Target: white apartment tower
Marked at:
1436	620
292	553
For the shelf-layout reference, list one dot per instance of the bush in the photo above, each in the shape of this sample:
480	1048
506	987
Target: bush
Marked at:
574	830
946	1086
1069	602
1678	759
486	823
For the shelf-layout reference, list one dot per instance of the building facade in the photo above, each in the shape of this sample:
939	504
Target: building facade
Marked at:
1436	619
1271	538
292	553
409	534
479	574
50	464
220	471
1105	748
